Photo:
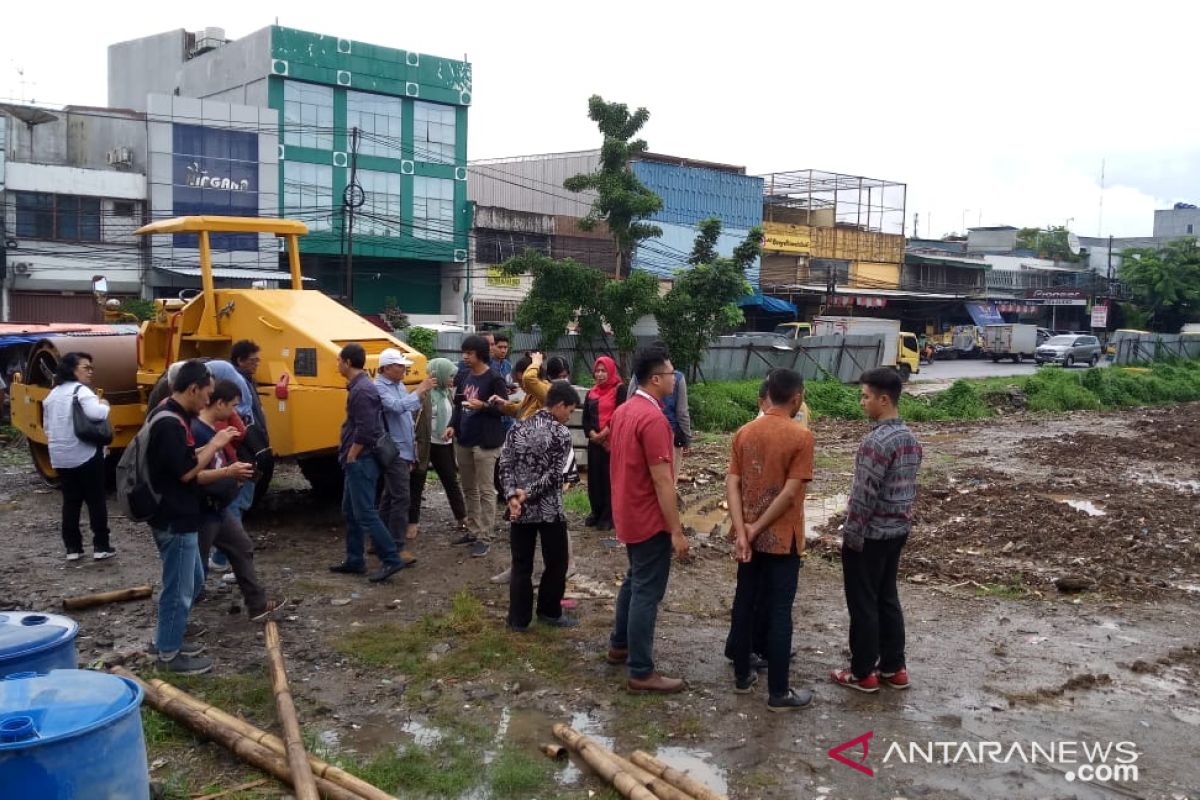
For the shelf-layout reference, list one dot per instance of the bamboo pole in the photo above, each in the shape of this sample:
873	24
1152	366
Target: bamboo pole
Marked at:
674	777
661	789
116	596
605	767
303	784
272	742
251	752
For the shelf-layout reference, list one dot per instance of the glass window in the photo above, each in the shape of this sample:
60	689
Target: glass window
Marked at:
433	132
64	217
377	118
380	211
308	194
308	115
433	208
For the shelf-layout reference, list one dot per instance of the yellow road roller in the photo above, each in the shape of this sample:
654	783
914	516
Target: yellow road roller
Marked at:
299	332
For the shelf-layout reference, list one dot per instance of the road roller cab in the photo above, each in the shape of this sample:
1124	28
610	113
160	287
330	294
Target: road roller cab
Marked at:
299	334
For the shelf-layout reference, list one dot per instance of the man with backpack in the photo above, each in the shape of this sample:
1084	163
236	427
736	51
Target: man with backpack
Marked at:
174	474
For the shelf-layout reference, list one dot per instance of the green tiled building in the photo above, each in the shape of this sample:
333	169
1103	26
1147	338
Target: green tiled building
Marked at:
410	113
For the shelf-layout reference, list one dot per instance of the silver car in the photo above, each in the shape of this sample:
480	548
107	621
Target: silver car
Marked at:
1069	350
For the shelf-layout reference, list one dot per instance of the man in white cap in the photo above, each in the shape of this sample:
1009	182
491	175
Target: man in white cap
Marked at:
399	406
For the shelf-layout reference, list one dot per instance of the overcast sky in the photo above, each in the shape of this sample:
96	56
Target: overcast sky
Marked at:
992	113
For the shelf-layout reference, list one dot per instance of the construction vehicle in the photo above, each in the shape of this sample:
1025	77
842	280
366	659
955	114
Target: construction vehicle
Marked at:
1010	340
793	331
900	349
299	332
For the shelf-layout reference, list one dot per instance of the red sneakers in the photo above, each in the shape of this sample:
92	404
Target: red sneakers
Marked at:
896	680
844	677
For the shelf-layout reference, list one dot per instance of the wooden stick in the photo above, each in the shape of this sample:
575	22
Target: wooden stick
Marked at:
605	767
674	777
231	790
117	596
554	751
658	786
302	777
249	751
272	742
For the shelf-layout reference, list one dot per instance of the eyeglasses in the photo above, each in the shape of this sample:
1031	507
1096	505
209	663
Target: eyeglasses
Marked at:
667	372
87	368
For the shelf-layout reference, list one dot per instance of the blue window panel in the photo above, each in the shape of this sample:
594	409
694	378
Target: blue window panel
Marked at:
691	194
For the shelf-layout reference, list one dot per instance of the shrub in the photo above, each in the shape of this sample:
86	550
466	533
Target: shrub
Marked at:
423	340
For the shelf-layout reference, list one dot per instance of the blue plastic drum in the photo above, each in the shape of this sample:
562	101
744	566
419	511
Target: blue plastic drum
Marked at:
36	642
72	735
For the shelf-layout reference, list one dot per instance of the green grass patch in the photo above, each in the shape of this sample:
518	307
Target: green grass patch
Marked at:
725	406
245	693
413	770
1012	589
515	773
476	643
576	500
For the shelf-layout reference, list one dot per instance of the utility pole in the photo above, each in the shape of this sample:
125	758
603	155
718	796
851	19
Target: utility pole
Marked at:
352	198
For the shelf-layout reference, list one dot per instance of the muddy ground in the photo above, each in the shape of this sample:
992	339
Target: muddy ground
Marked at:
417	684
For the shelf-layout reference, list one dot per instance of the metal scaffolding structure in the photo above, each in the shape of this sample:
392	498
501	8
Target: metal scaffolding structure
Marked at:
831	199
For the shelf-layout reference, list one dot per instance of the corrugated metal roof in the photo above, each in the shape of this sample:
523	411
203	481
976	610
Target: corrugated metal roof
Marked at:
235	274
532	183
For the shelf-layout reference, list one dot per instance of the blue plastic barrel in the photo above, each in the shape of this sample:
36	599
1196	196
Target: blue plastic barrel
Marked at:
72	734
36	642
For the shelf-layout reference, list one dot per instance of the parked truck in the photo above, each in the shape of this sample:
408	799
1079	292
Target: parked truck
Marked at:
1010	341
901	351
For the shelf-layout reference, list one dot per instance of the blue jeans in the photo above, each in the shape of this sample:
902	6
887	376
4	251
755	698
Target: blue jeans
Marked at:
362	517
766	588
182	580
637	603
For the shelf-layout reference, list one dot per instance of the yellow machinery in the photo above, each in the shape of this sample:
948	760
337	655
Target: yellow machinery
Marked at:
299	333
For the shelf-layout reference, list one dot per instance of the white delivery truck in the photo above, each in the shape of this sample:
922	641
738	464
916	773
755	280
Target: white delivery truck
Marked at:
1009	341
901	351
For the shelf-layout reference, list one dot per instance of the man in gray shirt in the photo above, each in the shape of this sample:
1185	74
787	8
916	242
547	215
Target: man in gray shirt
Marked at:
399	405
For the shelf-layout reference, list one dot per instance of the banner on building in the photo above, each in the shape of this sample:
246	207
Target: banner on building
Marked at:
1099	316
498	278
782	237
861	302
1057	297
984	314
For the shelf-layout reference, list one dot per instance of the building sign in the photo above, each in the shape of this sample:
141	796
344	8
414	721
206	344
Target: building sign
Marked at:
984	314
215	171
1099	316
497	277
861	302
1057	297
782	237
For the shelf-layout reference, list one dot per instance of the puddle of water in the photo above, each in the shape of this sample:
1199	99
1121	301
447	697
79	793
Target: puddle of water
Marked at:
422	734
1086	506
1178	484
818	511
697	764
707	523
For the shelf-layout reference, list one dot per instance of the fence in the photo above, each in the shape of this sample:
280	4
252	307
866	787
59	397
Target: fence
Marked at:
729	358
1143	348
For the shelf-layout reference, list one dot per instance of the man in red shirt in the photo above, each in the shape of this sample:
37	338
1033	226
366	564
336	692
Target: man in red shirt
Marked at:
646	517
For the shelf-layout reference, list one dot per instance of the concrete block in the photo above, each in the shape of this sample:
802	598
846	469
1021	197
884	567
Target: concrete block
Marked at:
159	105
268	177
187	110
159	137
214	111
160	169
162	199
243	116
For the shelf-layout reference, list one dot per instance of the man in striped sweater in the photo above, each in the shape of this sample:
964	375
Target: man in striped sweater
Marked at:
878	520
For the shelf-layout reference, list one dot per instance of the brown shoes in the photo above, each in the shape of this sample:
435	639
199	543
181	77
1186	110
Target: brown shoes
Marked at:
617	655
656	683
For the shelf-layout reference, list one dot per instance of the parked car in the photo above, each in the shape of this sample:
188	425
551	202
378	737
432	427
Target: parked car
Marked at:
1043	334
1069	350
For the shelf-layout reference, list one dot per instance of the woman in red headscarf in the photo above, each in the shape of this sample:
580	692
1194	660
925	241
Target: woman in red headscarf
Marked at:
602	401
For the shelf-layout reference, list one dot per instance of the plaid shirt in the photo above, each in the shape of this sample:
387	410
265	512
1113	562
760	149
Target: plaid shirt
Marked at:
885	485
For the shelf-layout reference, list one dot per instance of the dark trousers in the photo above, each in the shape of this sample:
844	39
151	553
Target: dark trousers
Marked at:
637	602
225	531
758	628
599	483
554	577
84	484
441	460
772	578
393	505
876	619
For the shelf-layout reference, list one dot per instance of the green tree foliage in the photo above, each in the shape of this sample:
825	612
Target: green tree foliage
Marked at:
701	304
623	201
565	291
423	340
1165	282
1052	242
139	308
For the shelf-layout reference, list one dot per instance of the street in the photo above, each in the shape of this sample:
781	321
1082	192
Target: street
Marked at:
948	371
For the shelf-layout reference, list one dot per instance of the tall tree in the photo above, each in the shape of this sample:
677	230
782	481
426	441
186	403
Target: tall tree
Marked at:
623	201
702	303
1052	242
1165	282
565	292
